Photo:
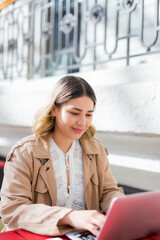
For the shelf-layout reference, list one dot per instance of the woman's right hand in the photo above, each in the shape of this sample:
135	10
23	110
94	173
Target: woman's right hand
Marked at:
90	220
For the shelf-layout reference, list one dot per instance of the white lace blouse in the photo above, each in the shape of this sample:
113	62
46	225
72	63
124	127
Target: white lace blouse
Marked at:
75	199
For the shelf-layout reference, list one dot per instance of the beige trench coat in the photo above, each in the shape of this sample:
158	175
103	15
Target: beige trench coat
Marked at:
28	194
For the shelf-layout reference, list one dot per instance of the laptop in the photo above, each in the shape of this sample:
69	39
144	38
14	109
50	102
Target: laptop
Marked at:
128	218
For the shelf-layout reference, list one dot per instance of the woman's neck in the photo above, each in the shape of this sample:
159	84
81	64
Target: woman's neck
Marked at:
63	144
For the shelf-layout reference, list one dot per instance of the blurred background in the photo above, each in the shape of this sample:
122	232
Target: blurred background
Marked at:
115	46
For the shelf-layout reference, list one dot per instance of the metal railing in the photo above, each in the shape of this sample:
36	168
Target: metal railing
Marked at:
41	38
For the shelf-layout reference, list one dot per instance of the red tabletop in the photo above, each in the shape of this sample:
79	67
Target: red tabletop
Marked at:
154	237
2	163
20	234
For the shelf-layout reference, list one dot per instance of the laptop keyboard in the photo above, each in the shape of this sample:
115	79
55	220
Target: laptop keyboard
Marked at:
85	235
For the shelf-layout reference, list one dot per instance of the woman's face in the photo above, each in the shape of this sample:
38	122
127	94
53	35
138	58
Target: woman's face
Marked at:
72	119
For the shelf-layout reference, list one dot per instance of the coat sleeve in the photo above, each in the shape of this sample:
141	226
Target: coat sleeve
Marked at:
17	207
108	186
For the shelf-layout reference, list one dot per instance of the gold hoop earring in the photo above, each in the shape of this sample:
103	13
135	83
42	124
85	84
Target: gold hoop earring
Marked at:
53	117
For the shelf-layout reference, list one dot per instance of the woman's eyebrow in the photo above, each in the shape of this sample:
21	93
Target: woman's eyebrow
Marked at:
80	110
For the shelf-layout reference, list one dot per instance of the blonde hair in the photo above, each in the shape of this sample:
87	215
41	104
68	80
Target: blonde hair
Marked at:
67	88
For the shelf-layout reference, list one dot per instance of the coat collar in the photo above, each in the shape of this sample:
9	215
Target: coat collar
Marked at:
42	149
89	146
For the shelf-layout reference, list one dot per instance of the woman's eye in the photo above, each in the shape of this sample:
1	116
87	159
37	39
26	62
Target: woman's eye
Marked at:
73	113
76	114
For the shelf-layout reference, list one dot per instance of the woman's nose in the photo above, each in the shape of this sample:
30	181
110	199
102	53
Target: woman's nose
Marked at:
81	121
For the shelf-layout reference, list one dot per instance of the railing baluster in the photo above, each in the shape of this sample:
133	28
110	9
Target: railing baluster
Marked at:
45	37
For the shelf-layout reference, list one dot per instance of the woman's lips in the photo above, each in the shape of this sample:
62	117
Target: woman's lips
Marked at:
78	130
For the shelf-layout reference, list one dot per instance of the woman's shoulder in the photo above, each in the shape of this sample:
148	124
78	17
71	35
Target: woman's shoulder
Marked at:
22	144
31	145
100	144
94	145
28	140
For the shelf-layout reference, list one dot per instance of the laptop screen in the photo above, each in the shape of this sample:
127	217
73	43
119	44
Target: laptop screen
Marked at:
129	218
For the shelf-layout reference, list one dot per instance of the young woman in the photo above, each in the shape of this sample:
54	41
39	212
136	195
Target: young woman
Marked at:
59	178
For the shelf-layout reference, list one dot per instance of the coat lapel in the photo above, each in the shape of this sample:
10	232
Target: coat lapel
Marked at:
42	153
89	167
89	164
48	175
90	150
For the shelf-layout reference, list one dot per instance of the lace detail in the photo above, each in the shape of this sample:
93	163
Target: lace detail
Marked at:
54	154
73	162
59	182
79	179
76	153
78	205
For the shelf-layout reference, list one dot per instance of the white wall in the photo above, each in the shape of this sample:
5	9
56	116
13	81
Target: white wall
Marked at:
127	118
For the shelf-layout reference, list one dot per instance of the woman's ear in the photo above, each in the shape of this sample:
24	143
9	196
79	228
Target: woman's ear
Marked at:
53	110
